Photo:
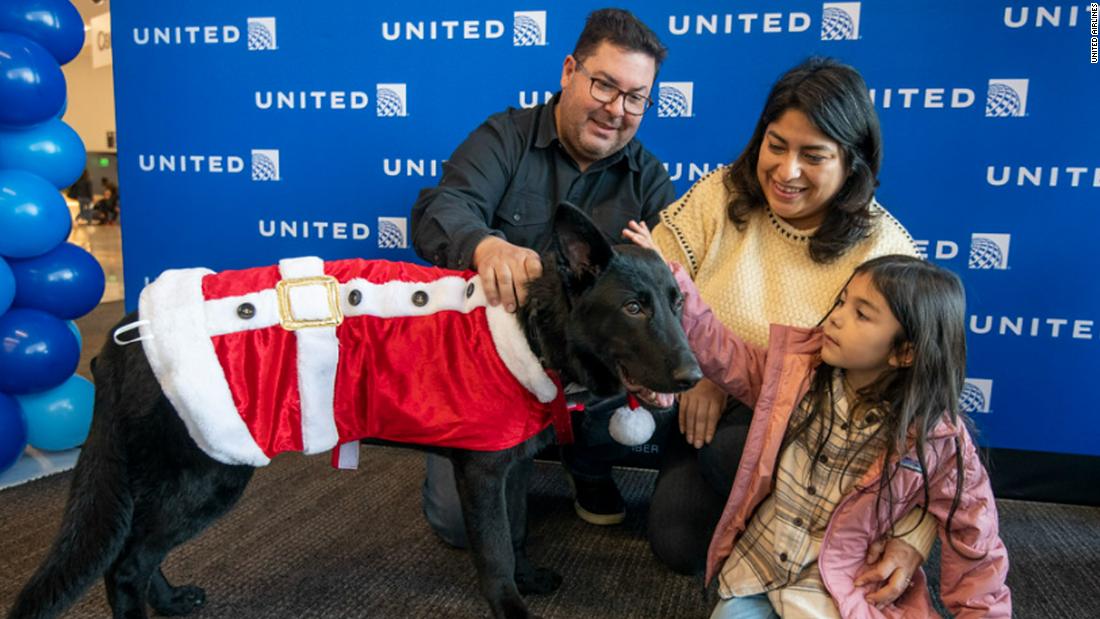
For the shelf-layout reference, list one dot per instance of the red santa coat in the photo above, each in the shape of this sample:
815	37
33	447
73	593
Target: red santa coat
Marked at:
309	355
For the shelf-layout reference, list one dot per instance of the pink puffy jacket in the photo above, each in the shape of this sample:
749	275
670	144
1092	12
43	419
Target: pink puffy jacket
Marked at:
773	381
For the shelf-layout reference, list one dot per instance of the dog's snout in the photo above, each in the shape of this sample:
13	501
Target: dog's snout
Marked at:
686	376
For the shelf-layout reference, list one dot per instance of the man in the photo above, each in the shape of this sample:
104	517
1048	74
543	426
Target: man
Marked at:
492	209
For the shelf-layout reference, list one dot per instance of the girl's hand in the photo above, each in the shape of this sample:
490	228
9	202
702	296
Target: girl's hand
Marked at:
700	408
638	233
890	565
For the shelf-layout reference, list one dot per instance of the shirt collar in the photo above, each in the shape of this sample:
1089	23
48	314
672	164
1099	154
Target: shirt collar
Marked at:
548	134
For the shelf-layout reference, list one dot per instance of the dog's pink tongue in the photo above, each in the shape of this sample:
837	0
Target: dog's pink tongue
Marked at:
652	398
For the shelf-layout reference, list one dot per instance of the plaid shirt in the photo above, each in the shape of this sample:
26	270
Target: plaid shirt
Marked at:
777	553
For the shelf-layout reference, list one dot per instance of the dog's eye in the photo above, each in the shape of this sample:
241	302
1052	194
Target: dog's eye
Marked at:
633	308
678	304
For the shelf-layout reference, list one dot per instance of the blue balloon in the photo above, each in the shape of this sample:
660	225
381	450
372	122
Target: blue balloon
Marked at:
7	286
51	150
32	86
53	24
59	418
65	281
13	432
33	215
37	351
76	333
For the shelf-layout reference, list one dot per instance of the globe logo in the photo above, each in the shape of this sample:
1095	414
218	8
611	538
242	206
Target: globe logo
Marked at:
672	102
389	102
972	400
261	34
837	25
1003	101
265	167
526	31
390	235
987	253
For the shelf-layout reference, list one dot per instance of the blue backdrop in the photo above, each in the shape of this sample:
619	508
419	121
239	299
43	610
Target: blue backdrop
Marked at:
255	130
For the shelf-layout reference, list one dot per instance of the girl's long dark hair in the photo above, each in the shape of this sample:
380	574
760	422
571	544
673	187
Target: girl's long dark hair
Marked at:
834	97
930	305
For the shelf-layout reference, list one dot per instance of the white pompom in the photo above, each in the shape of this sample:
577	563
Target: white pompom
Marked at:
632	427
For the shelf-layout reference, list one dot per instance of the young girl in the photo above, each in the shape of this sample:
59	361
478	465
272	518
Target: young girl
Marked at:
856	423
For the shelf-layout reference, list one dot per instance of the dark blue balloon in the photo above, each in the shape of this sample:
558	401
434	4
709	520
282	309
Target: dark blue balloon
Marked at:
33	215
32	86
37	351
13	432
51	150
53	24
65	281
7	286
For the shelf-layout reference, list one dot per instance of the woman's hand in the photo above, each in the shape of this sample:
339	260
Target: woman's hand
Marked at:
638	233
700	408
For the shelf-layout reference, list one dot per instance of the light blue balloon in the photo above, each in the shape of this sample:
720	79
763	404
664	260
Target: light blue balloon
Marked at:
13	432
51	150
33	215
59	418
65	281
76	332
32	85
53	24
7	286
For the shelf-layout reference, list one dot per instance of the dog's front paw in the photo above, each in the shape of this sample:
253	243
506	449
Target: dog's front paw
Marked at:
538	581
182	601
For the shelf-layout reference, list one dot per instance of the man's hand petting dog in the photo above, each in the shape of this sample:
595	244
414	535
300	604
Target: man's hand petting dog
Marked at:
505	269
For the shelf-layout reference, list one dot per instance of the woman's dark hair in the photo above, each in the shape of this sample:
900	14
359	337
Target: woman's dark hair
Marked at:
622	29
834	98
930	304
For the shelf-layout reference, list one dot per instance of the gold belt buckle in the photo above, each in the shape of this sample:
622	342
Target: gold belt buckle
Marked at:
286	312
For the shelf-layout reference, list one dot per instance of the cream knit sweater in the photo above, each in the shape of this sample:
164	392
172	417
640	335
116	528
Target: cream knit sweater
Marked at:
762	274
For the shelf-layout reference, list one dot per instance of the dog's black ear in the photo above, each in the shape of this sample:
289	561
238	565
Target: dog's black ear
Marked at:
581	248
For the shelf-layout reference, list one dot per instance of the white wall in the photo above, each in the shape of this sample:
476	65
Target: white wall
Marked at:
91	91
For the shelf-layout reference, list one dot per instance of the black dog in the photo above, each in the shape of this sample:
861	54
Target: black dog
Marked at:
604	317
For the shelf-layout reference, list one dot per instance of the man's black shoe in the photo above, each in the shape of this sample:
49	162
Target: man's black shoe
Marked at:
597	501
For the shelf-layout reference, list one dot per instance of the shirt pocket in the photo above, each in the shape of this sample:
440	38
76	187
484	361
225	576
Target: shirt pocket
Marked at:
524	218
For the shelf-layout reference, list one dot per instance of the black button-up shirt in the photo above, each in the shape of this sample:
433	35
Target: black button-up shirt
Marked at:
506	178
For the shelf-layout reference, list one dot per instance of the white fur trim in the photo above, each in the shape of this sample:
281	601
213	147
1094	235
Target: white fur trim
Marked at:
632	426
511	345
182	357
318	356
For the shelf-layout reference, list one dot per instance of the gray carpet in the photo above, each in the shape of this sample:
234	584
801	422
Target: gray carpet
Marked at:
308	541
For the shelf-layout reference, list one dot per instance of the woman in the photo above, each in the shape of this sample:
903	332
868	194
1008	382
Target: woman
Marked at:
768	239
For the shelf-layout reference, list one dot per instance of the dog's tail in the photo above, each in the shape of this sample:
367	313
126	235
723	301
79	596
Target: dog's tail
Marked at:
98	513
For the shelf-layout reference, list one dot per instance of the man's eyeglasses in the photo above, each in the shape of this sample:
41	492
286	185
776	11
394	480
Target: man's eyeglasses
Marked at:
605	92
